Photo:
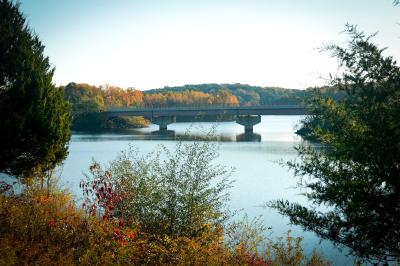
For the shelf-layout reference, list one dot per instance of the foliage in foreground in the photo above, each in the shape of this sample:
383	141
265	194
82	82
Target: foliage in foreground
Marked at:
34	118
177	192
45	228
166	209
356	175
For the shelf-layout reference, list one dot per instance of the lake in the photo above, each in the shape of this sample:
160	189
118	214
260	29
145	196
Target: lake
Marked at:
258	175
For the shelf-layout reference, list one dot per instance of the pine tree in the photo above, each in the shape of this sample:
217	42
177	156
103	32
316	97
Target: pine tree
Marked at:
34	118
353	180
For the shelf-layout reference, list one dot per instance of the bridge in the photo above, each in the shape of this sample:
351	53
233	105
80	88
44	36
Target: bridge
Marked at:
245	116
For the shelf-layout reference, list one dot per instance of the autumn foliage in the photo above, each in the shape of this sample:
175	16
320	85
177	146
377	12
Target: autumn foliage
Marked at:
190	98
88	98
118	97
159	209
89	101
46	228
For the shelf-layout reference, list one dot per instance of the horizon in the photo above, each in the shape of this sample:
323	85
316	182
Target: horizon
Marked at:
150	45
184	85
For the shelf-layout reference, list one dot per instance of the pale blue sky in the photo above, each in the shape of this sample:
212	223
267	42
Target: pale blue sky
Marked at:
150	44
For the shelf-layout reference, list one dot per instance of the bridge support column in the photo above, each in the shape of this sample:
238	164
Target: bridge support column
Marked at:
248	121
163	122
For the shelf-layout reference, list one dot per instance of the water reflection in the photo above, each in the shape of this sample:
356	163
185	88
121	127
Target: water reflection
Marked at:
132	134
248	136
163	134
258	176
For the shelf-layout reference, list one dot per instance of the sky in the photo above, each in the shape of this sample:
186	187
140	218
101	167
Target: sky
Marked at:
150	44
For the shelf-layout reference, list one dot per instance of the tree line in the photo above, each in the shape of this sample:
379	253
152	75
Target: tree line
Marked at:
87	100
162	208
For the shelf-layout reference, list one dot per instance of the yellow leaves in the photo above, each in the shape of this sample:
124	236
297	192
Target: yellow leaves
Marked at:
190	98
48	229
41	199
118	97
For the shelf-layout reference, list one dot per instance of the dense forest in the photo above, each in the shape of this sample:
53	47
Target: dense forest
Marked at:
248	95
88	101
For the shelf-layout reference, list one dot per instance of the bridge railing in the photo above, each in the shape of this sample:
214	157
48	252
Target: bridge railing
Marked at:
205	107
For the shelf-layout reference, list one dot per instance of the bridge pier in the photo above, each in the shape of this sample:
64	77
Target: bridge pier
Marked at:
163	122
248	121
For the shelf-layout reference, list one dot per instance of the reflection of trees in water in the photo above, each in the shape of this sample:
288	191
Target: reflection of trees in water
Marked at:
192	136
132	134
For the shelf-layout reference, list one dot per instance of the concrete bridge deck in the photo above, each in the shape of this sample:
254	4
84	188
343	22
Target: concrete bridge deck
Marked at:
245	116
209	110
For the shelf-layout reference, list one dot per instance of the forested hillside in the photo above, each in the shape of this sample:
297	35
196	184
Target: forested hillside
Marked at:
248	95
89	101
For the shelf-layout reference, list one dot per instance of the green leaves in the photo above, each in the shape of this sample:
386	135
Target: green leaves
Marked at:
34	119
353	178
177	192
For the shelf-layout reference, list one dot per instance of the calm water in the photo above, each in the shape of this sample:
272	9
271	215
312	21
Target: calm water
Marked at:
258	175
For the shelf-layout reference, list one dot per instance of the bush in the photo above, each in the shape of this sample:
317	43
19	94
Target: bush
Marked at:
178	193
247	240
45	228
137	197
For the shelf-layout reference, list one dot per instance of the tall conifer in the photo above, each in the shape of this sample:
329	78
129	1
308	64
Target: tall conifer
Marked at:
34	118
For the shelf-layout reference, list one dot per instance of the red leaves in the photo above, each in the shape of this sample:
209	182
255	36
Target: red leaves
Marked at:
100	193
5	187
121	223
253	260
52	223
117	232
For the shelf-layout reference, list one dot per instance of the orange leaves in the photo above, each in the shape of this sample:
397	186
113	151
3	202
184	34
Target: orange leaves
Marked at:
130	235
83	96
123	236
118	97
41	229
42	199
190	98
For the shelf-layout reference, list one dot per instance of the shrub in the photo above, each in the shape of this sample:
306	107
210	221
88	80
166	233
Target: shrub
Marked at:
43	227
247	239
179	193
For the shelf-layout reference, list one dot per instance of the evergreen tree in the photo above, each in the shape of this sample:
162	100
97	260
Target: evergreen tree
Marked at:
34	118
353	181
